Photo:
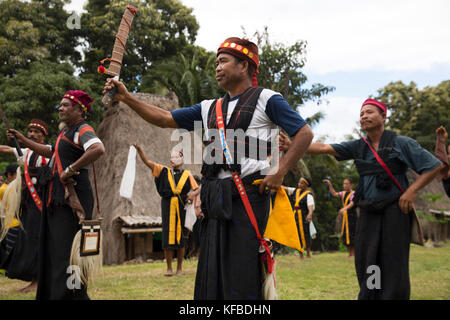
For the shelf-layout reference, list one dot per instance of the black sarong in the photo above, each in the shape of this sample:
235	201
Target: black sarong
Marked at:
383	235
23	261
7	247
60	224
21	243
165	191
229	265
58	228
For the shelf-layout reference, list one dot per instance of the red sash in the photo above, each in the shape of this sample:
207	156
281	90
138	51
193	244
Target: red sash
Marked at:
57	164
30	185
385	167
240	186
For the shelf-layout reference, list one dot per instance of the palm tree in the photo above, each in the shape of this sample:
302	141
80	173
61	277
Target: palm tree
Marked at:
190	76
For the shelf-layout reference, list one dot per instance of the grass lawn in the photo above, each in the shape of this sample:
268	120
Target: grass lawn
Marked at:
327	276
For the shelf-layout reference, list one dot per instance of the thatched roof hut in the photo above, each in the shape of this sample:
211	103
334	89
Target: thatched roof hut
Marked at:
120	127
433	213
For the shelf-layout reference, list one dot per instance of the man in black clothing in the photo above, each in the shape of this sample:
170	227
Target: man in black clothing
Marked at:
77	146
383	232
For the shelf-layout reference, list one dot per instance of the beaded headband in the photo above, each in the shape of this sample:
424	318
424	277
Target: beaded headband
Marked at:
37	125
240	48
68	96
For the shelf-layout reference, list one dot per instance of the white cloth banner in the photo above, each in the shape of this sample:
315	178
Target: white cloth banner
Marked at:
312	230
127	184
190	216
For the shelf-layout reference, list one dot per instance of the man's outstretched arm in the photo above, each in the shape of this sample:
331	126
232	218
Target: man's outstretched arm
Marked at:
314	148
152	114
321	148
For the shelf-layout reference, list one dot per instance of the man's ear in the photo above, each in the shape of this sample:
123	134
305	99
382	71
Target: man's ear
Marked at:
245	66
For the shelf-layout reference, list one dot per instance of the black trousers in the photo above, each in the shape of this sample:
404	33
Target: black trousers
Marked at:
382	244
229	265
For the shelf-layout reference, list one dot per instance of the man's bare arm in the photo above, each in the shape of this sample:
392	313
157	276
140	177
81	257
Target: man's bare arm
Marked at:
314	148
41	149
332	191
92	153
321	148
6	149
143	157
152	114
310	213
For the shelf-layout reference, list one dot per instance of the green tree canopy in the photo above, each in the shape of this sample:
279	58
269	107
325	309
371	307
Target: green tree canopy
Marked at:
190	74
34	31
417	113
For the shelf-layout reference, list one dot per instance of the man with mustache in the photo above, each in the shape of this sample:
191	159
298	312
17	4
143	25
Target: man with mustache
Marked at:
21	262
229	265
76	147
383	231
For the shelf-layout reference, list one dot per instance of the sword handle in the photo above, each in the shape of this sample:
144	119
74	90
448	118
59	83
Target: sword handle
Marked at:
108	98
18	148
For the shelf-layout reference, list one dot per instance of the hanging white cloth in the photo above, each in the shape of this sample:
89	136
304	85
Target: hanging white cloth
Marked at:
190	216
312	230
127	183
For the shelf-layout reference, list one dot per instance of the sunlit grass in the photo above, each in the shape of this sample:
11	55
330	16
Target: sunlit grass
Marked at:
327	276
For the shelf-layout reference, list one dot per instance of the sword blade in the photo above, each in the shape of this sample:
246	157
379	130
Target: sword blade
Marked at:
119	50
5	120
120	42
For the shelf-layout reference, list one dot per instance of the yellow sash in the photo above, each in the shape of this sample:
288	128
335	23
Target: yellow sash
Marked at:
298	198
175	227
281	223
345	218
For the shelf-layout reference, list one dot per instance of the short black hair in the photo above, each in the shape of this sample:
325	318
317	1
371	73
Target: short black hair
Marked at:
10	169
308	180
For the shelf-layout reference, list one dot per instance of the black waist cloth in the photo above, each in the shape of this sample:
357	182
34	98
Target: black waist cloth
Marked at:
229	265
58	228
383	235
23	264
